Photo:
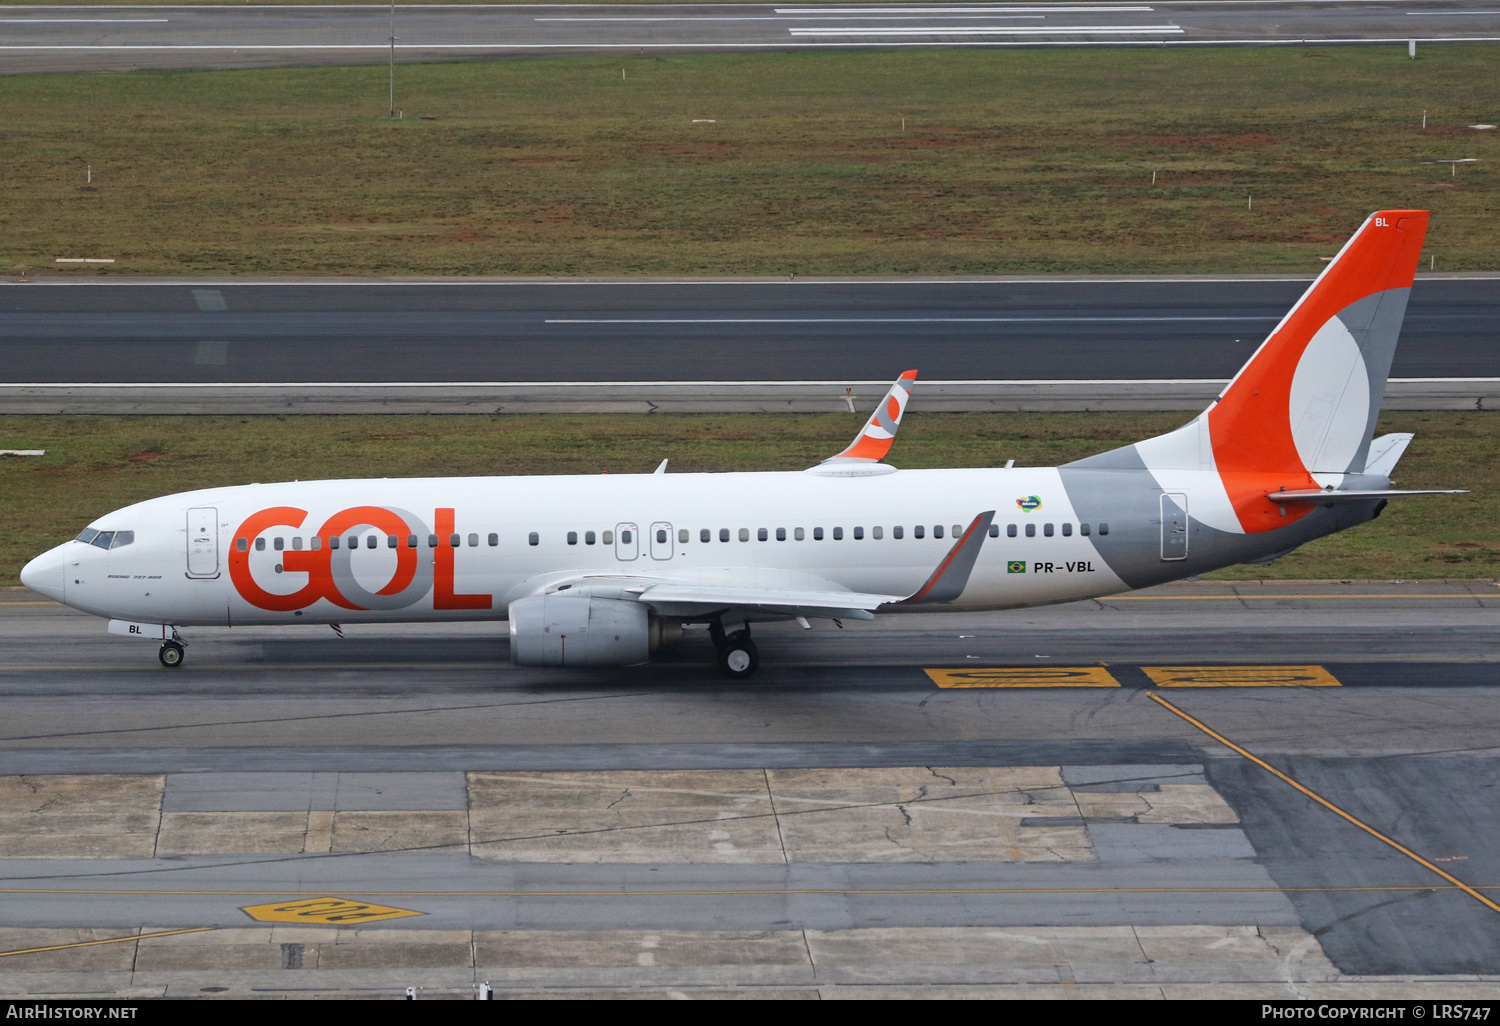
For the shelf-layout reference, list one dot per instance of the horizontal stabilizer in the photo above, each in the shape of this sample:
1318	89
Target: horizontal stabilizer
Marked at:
1320	497
1386	451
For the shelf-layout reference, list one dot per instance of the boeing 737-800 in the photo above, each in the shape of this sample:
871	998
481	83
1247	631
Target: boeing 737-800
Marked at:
604	570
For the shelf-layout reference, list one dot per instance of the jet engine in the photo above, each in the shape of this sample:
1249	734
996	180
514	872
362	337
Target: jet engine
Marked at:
579	630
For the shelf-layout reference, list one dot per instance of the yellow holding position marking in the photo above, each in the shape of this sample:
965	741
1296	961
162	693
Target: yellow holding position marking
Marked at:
331	911
1240	677
1024	677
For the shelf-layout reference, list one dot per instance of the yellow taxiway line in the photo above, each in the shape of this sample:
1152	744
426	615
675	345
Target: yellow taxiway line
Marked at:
1455	881
110	940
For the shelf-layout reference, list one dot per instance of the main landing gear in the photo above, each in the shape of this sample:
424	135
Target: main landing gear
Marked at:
736	653
171	654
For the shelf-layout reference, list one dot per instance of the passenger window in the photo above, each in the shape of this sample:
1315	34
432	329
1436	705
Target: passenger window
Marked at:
1047	530
919	531
122	539
316	542
781	534
1031	530
624	537
572	537
532	539
682	536
608	538
799	534
705	535
1083	529
958	530
761	534
1067	530
391	542
896	532
473	541
432	541
241	544
1103	527
723	534
278	544
661	536
494	540
817	534
838	534
937	530
859	534
589	538
297	544
260	545
1010	530
372	542
877	533
333	542
744	534
994	530
354	541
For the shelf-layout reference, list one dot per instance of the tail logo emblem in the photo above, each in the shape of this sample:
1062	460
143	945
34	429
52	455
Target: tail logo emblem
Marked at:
1029	503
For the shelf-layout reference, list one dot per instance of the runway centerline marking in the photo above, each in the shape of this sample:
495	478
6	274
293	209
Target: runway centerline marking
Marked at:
1024	677
108	940
1455	881
894	320
1240	677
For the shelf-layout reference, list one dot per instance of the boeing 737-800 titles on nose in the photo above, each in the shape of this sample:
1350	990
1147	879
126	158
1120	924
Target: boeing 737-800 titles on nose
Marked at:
604	570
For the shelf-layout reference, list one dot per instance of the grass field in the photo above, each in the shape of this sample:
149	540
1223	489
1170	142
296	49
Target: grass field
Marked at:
1010	161
96	464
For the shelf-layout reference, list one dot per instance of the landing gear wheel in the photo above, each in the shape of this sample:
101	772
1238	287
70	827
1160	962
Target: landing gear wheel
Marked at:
171	654
738	657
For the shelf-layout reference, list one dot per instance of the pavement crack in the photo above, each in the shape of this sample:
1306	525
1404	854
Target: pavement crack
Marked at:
905	816
940	777
617	801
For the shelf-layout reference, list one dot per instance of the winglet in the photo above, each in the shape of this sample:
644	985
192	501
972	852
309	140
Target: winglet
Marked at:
875	438
951	577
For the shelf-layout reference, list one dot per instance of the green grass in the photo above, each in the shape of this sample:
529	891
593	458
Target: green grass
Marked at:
1011	161
96	464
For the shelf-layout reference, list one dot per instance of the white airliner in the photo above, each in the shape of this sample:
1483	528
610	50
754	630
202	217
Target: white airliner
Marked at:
604	570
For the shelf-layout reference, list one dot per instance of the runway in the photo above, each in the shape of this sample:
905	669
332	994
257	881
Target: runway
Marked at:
98	38
868	812
317	331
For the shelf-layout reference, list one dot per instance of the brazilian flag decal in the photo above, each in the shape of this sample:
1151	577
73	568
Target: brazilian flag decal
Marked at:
1016	566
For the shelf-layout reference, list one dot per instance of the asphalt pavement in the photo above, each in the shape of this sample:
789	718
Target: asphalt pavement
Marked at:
79	38
310	331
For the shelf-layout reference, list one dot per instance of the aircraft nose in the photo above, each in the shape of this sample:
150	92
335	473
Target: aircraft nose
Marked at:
45	574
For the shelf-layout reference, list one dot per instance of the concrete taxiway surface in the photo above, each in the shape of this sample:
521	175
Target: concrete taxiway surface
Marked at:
989	804
92	38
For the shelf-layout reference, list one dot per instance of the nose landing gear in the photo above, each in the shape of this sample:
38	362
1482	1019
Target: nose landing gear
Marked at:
171	654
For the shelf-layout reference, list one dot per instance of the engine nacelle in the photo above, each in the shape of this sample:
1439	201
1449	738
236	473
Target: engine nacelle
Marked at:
578	630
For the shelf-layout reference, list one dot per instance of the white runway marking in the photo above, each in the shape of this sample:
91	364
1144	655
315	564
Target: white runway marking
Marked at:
899	320
856	17
996	30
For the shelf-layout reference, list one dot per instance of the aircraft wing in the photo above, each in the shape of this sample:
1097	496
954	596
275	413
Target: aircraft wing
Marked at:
945	584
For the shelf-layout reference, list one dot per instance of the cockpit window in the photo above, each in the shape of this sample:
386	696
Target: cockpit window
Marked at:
103	539
87	535
106	539
122	539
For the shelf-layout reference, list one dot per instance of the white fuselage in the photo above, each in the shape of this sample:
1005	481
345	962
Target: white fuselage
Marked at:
882	534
